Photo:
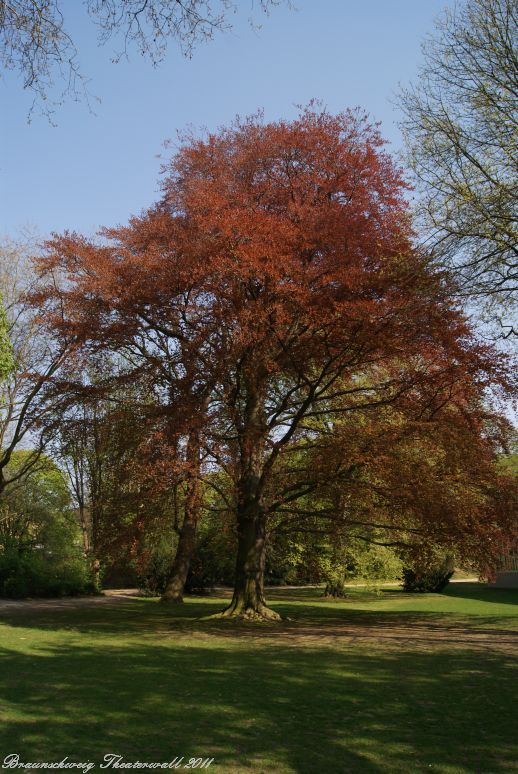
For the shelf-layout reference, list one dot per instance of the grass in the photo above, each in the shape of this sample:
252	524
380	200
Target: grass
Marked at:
374	683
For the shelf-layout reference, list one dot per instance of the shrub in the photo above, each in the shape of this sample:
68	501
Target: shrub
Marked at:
428	578
153	570
31	573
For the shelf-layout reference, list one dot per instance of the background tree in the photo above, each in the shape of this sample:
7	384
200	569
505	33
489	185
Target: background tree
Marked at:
461	129
40	545
102	444
27	405
414	476
6	348
35	43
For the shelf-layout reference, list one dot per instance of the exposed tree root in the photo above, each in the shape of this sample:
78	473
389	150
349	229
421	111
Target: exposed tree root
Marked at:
247	613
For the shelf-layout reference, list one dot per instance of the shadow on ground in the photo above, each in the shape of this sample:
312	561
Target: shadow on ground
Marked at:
308	617
308	711
335	690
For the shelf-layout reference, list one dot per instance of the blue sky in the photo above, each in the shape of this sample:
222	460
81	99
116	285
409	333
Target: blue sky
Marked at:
94	170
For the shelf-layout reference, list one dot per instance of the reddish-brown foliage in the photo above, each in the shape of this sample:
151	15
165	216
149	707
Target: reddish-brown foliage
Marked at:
272	288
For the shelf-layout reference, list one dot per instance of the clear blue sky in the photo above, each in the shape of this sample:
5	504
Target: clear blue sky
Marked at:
94	170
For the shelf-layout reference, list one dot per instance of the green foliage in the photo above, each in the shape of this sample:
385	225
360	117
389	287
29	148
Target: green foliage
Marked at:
213	562
6	347
430	571
356	560
154	562
428	581
40	547
318	554
509	464
36	572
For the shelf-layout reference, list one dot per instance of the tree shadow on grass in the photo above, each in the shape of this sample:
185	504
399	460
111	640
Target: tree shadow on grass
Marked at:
482	592
262	708
466	590
306	624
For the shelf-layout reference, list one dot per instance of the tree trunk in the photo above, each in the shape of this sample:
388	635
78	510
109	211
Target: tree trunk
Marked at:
92	561
261	558
248	600
173	591
335	589
95	565
187	541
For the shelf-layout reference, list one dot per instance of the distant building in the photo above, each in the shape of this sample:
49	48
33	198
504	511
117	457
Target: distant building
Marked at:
507	573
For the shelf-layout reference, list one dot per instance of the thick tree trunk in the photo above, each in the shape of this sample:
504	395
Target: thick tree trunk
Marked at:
335	589
175	585
248	600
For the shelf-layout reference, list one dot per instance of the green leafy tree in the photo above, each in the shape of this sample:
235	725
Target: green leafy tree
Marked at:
40	545
28	361
461	128
6	347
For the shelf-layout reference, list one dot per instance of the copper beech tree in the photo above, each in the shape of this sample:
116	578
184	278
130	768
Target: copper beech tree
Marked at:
273	286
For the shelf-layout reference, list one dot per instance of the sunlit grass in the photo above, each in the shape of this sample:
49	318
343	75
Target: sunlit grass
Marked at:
374	683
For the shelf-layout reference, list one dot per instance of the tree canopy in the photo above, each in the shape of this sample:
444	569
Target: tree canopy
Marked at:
461	128
6	348
272	290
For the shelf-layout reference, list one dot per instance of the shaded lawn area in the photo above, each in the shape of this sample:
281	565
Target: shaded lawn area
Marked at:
374	683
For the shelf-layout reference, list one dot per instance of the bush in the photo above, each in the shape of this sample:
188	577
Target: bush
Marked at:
153	570
428	569
31	574
426	581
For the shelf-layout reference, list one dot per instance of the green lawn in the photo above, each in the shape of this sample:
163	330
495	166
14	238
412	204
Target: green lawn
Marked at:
374	683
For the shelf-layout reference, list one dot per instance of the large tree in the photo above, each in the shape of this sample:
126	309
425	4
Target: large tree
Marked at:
461	127
274	285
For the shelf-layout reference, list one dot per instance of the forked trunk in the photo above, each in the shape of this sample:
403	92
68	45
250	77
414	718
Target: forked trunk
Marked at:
175	585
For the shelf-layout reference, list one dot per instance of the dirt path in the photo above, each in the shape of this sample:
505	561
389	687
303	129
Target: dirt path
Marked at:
107	597
111	596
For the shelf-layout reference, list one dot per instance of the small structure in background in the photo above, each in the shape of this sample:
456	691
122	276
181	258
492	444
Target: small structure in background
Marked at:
507	573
